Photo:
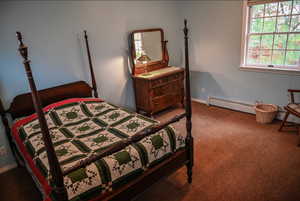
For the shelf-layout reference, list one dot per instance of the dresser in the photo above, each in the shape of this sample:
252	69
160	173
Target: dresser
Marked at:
157	85
159	89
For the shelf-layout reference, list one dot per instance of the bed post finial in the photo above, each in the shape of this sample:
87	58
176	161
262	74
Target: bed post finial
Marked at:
22	48
55	170
188	106
19	36
94	83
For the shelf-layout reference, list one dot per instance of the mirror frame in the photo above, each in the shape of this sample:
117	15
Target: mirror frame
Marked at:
151	66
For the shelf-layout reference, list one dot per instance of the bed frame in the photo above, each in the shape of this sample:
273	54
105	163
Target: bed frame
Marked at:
26	104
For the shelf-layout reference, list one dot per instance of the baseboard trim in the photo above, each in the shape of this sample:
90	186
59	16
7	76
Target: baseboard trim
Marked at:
200	101
8	167
233	105
241	107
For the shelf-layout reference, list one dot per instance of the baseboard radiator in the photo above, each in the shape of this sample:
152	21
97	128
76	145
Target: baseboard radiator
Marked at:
233	105
243	107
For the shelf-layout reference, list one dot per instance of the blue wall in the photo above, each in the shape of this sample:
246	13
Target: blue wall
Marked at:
53	32
216	31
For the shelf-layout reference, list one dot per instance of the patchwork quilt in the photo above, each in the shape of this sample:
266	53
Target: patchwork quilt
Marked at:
81	127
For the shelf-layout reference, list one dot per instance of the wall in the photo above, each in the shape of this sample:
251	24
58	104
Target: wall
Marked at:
215	47
53	32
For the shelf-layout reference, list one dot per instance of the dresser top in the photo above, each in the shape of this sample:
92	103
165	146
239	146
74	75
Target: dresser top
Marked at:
160	73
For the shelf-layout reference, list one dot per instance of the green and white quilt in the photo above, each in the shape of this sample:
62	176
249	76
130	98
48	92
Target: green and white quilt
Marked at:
81	127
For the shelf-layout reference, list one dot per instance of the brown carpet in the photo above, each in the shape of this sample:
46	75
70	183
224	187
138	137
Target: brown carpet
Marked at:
236	159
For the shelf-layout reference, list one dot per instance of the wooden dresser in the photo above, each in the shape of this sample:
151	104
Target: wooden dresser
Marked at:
157	85
159	89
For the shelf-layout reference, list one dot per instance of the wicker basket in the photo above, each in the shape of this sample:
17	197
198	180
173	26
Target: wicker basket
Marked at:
265	113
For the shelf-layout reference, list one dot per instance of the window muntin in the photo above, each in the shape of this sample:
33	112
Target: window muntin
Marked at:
273	38
138	44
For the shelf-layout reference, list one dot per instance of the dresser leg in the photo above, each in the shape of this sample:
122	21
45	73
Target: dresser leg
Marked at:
182	102
143	112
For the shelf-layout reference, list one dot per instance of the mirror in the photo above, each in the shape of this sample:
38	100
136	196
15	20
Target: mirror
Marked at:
148	47
148	50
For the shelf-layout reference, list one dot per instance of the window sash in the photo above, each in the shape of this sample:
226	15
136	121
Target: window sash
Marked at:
264	17
256	2
285	50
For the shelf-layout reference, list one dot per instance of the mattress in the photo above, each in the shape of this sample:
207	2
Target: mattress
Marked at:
83	126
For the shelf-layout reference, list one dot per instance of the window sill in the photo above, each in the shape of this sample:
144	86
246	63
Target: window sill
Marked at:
277	70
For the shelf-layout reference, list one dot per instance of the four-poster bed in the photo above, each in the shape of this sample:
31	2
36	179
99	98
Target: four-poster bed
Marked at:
82	148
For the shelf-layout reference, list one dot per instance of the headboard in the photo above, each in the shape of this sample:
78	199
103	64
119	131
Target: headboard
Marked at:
22	105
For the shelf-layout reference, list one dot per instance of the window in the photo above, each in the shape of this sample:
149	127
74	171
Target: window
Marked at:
138	44
272	34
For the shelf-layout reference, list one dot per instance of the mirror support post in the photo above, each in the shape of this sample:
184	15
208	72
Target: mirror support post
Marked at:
165	52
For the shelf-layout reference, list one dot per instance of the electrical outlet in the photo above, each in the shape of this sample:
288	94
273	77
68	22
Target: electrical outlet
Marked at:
3	151
203	90
258	101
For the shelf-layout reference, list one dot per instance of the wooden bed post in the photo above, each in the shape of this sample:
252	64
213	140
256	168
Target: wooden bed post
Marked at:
94	83
188	106
55	170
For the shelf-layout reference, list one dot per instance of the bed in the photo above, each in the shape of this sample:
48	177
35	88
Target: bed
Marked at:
79	147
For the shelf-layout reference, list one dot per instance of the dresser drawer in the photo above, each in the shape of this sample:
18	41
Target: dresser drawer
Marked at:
173	87
165	101
164	80
162	90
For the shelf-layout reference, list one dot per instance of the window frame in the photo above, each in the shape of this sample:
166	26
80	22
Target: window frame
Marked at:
244	49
